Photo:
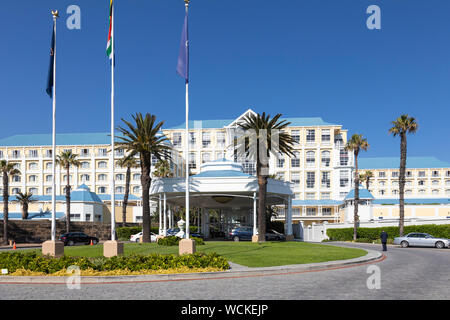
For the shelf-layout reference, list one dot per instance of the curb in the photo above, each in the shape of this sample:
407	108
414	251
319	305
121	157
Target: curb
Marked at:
236	272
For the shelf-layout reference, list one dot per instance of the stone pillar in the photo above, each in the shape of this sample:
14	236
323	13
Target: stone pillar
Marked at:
255	228
289	236
112	248
53	248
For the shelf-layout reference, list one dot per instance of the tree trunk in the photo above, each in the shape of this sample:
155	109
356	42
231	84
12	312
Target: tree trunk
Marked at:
125	197
5	207
262	191
401	183
146	182
25	211
68	200
356	200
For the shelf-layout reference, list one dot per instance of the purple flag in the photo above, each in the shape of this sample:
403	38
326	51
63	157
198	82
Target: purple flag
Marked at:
183	58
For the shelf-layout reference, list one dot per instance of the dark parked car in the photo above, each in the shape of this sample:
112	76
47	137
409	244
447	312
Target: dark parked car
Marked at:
272	235
241	233
73	238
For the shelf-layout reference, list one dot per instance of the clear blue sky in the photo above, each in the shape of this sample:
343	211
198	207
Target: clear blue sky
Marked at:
298	58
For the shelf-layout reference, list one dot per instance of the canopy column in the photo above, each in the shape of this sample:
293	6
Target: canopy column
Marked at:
165	216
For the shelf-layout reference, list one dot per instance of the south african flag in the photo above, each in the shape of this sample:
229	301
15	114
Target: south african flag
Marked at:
109	45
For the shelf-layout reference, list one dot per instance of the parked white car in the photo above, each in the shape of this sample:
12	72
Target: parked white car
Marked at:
137	237
416	239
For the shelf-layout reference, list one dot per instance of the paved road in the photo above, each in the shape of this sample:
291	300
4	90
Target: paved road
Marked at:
411	273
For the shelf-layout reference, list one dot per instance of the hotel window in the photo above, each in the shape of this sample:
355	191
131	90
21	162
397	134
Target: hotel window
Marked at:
435	192
16	154
49	178
137	176
382	183
310	180
1	154
206	157
343	157
395	174
296	212
280	176
85	178
310	196
435	182
119	152
421	182
381	192
16	178
325	196
154	160
48	190
136	189
394	192
15	190
382	174
435	174
32	178
102	152
101	189
249	167
220	155
310	136
447	174
192	161
295	134
342	194
48	165
102	165
408	174
280	160
408	183
326	180
395	183
16	166
33	166
192	140
177	140
85	165
326	158
48	153
295	161
447	192
206	139
120	189
296	196
422	191
67	150
220	139
75	216
120	177
65	178
447	182
343	178
33	190
295	179
102	177
326	137
32	153
326	211
310	159
421	174
310	211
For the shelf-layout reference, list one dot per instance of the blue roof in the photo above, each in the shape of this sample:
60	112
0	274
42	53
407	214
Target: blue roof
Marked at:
394	163
33	215
221	174
363	194
215	124
316	202
414	201
118	197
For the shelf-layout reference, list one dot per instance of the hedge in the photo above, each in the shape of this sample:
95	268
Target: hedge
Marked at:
373	234
173	241
34	262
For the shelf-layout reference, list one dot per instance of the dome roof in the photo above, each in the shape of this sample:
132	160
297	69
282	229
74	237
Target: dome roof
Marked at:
364	194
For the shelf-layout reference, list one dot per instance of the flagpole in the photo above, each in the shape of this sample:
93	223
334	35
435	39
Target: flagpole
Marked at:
113	198
55	16
187	143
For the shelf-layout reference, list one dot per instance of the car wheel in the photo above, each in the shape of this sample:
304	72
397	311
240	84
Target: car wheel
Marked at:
404	244
71	243
236	238
439	244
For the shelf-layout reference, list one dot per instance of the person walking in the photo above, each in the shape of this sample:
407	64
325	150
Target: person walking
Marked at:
384	237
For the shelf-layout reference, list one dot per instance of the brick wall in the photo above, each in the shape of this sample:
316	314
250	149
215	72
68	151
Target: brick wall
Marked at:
40	231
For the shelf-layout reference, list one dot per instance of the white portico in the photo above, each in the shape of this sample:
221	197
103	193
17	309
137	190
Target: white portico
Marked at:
221	185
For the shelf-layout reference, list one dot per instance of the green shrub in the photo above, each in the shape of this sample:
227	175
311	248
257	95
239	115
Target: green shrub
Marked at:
373	234
31	261
174	240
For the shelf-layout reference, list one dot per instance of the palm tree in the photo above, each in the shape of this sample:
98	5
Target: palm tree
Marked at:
402	126
366	176
143	137
356	144
162	169
127	162
7	169
263	124
25	199
67	159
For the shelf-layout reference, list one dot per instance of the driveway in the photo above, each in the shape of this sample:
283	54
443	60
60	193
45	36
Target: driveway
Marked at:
405	273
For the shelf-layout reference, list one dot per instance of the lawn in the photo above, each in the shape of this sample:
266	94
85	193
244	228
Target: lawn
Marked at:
244	253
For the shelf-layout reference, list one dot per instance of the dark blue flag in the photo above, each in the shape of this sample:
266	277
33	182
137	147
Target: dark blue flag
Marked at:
183	58
50	79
